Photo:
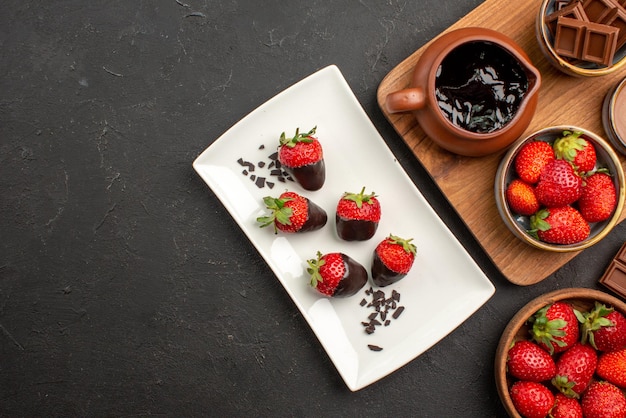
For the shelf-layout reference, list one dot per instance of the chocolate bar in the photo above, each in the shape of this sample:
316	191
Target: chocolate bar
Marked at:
587	41
615	275
569	37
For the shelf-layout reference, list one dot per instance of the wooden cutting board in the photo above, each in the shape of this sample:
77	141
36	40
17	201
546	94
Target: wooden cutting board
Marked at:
467	182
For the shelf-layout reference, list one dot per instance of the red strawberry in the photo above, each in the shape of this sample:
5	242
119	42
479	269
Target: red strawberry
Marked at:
555	327
336	274
577	150
612	367
527	361
357	216
598	199
531	399
531	159
293	213
565	407
604	328
558	184
603	400
574	369
559	225
393	258
521	198
302	157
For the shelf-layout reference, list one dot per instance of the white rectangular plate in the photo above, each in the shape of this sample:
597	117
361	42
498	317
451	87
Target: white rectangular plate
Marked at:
444	287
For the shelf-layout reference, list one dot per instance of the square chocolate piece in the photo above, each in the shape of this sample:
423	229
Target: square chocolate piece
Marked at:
615	275
621	255
599	11
559	4
574	10
619	21
569	37
615	278
599	44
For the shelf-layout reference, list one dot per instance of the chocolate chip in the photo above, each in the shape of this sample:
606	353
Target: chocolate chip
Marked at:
398	312
261	164
260	182
374	347
381	306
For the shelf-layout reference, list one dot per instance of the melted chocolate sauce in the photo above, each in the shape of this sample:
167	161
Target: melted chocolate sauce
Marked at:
355	230
479	86
311	176
353	280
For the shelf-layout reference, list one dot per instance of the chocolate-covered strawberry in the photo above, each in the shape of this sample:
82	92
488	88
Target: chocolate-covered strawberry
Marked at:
357	216
291	212
336	274
393	258
303	158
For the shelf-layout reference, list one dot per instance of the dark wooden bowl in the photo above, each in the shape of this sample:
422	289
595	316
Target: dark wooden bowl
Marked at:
517	329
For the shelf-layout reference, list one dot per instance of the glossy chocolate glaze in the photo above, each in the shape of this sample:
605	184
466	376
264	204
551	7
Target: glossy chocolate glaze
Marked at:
355	230
382	275
310	176
353	280
316	218
480	86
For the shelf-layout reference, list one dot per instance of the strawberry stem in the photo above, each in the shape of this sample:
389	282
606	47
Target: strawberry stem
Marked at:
567	146
298	137
359	198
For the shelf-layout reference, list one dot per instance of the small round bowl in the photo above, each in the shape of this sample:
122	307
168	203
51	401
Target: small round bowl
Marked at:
614	116
569	66
519	225
517	329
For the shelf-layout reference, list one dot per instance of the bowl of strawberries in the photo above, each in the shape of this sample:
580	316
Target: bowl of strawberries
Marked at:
560	189
564	354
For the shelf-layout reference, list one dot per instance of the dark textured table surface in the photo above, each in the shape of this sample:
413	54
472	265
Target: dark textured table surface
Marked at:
125	287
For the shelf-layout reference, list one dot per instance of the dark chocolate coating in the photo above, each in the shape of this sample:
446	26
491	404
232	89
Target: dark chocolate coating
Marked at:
316	218
310	176
382	275
355	230
353	280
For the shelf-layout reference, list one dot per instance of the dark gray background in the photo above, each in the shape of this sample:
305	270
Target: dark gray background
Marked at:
125	287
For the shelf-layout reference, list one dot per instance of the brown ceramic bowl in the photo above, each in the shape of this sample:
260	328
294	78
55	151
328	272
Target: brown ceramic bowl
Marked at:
614	115
569	66
443	87
517	329
519	225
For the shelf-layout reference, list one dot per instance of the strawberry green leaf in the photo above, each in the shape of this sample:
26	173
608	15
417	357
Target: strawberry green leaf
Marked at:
567	146
298	137
314	269
359	198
